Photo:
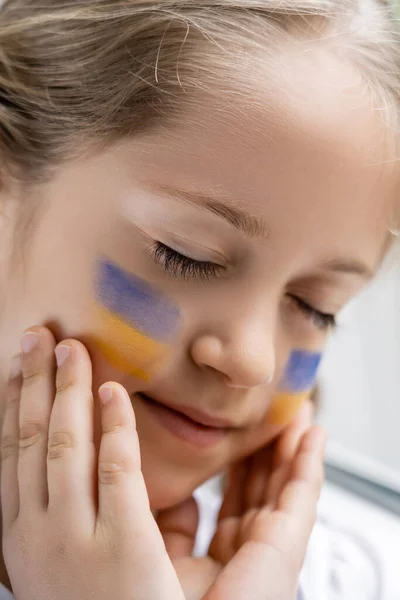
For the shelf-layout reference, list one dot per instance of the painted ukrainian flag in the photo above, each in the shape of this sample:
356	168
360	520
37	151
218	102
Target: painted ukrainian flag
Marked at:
295	386
134	321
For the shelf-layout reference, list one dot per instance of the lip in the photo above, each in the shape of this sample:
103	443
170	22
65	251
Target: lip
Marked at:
196	415
186	423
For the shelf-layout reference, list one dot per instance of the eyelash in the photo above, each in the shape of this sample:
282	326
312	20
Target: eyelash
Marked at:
323	321
178	265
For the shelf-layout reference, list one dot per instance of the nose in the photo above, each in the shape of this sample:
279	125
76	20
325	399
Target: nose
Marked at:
244	357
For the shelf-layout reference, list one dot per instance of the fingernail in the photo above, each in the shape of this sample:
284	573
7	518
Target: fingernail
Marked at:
62	352
29	341
106	393
15	369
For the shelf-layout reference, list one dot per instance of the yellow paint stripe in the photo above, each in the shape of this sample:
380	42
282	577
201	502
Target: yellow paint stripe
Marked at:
116	359
125	347
285	406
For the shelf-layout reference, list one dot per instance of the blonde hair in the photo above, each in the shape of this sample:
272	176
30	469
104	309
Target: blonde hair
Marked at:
79	73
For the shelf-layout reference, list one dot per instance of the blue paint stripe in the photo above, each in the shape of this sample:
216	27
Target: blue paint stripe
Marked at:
135	301
301	371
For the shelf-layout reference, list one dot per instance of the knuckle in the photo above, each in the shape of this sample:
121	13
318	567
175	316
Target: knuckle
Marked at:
64	548
112	429
13	396
259	523
24	545
113	549
20	541
9	446
65	384
59	443
32	374
110	472
29	434
68	385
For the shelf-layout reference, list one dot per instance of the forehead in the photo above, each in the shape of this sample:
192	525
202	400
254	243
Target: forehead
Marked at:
304	148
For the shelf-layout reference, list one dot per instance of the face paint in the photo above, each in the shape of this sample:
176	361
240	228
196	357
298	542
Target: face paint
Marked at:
295	386
134	321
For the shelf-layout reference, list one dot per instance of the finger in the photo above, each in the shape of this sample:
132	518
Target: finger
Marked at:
178	526
270	561
196	576
124	513
296	506
258	482
224	542
258	477
295	514
71	452
300	496
37	396
9	446
288	442
233	503
123	500
258	571
284	454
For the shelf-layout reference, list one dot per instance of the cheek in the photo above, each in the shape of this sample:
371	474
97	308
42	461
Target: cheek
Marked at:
285	407
295	386
125	348
132	322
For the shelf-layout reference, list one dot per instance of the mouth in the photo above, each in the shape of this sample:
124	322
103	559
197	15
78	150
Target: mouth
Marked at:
187	424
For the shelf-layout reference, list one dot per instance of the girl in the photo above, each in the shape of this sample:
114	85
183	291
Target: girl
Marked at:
194	190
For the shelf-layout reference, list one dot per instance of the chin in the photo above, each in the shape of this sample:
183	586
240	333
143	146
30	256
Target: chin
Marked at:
159	500
162	496
169	484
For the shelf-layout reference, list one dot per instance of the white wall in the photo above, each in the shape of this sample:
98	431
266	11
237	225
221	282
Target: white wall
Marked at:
360	382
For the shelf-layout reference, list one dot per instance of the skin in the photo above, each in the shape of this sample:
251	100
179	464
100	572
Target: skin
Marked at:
297	381
91	513
305	160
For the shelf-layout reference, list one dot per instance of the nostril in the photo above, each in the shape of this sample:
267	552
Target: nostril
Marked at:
238	362
262	381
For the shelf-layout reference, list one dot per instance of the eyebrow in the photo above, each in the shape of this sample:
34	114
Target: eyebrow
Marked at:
251	226
254	227
348	266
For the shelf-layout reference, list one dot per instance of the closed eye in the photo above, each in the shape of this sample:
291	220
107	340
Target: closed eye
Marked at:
321	320
179	265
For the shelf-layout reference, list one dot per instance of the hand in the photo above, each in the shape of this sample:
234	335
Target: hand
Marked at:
263	548
253	506
78	525
178	526
75	525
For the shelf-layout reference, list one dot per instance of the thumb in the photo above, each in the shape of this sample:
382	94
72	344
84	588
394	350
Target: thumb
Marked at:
285	450
178	526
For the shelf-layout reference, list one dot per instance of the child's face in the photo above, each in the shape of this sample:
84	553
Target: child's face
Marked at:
287	196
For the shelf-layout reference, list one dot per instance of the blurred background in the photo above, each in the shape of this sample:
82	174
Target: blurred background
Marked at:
359	404
359	390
